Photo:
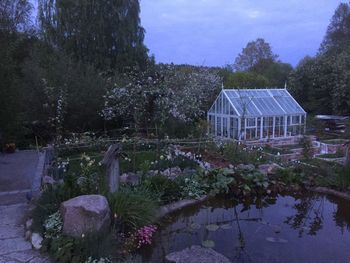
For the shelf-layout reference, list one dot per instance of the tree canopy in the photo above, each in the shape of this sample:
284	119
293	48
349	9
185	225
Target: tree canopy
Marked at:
321	83
338	31
254	56
104	33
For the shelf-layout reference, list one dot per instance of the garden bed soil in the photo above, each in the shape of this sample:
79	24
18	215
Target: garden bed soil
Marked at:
215	161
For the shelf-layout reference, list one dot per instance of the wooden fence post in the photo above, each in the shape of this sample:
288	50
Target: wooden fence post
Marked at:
347	154
111	160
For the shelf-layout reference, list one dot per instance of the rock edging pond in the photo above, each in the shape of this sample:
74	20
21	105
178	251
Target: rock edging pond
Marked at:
325	190
167	209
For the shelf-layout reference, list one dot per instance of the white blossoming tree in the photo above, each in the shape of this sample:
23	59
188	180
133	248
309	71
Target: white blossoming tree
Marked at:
160	93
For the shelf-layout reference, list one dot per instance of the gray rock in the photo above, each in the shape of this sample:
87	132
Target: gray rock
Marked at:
29	224
48	180
247	167
85	214
172	172
130	178
197	254
28	235
189	172
269	168
36	240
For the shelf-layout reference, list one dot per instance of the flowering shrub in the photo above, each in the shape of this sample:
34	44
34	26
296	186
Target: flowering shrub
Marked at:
144	235
88	180
53	225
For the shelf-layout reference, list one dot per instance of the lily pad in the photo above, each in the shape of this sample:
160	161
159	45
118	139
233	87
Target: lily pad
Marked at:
212	227
195	226
276	240
208	243
226	226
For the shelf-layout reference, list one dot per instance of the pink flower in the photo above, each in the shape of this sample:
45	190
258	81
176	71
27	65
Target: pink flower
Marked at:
144	235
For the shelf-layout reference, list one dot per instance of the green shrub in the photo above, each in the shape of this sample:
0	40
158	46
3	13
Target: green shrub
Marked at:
163	189
290	176
66	249
343	178
192	187
238	153
217	181
133	209
306	144
49	203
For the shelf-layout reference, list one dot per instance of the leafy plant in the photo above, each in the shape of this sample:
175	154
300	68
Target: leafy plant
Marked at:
163	189
217	181
191	187
53	225
66	249
306	144
49	203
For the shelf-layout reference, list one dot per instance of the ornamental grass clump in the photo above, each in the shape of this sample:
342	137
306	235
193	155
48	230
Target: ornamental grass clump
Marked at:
132	209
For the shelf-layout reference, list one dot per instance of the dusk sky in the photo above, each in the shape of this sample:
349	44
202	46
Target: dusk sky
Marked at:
213	32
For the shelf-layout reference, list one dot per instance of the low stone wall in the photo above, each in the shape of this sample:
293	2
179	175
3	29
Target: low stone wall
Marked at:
170	208
325	190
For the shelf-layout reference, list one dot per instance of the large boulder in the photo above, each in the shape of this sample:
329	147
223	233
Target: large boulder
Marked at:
197	254
85	214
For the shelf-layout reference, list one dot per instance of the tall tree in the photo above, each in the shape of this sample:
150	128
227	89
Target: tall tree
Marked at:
106	33
338	32
14	45
255	56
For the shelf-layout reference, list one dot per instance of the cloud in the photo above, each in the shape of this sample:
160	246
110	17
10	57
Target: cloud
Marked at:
215	31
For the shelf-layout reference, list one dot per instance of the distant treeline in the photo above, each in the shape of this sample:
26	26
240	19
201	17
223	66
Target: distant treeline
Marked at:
84	66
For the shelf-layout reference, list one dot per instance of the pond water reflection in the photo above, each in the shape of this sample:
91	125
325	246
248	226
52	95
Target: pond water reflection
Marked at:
303	228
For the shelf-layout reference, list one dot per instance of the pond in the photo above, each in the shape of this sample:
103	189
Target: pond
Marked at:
299	228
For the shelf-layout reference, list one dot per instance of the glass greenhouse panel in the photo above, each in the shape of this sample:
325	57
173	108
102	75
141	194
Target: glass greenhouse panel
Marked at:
268	106
289	105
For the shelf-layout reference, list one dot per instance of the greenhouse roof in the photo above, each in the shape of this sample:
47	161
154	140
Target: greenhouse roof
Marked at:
263	102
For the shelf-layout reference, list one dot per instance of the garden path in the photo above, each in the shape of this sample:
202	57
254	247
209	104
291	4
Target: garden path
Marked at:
17	174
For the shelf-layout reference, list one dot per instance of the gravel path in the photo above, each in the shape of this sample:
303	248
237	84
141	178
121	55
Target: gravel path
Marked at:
17	172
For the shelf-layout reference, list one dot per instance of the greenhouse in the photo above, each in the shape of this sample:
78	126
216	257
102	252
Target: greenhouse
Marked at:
256	114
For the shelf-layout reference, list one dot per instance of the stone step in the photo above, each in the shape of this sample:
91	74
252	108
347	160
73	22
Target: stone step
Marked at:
12	198
13	214
13	245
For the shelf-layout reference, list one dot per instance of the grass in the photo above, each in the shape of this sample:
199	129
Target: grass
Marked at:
291	146
275	150
133	209
335	141
332	155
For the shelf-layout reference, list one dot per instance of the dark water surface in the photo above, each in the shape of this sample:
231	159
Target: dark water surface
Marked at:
307	228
